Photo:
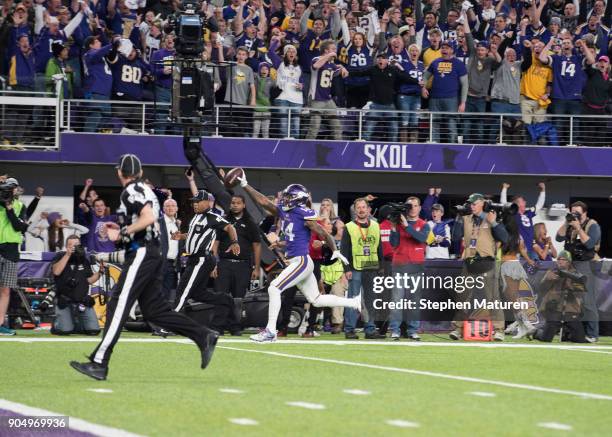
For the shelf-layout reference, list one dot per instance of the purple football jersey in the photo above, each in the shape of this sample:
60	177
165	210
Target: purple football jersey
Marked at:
321	80
294	229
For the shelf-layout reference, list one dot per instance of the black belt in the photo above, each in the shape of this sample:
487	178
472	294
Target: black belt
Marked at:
233	260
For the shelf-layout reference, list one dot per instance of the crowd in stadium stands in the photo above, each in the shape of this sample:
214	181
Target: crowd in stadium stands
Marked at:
397	244
530	57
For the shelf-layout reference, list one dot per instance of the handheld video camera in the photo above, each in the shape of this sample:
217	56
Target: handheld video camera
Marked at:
394	210
572	216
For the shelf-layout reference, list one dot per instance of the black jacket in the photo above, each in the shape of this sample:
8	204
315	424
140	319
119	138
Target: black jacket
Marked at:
163	239
384	83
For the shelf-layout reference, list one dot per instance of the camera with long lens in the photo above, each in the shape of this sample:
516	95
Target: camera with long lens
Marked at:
501	209
463	210
576	277
394	210
117	257
572	216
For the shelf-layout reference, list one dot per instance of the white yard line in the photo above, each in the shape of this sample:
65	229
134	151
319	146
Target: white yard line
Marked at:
482	394
402	423
74	423
243	421
584	395
588	348
555	426
307	405
100	390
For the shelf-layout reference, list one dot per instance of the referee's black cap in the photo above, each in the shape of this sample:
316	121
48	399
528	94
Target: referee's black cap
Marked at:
202	195
129	165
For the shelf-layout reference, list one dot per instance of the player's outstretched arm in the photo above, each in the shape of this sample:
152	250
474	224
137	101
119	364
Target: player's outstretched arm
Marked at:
257	197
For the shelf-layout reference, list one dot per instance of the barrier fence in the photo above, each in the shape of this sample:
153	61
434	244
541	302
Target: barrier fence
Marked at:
30	121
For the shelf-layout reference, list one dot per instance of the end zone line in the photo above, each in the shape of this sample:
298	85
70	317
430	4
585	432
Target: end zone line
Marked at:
74	423
431	374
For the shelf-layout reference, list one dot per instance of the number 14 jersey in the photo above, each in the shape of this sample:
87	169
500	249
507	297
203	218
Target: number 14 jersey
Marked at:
295	232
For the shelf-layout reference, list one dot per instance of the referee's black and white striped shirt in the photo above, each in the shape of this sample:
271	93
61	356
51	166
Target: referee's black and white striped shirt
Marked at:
135	196
202	232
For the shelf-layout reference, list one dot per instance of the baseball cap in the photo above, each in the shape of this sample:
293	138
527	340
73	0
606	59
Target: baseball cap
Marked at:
202	195
603	58
402	30
565	255
11	181
382	54
483	43
437	207
474	197
447	43
129	165
555	20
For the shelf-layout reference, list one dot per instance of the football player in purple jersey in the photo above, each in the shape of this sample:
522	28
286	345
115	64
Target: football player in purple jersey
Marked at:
297	223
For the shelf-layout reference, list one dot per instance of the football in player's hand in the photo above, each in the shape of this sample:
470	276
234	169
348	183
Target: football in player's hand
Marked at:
232	177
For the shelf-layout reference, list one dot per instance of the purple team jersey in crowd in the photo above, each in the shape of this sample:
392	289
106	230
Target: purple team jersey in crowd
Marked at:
294	229
321	80
568	77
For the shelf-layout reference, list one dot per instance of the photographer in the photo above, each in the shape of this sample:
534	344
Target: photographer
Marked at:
562	300
408	237
582	236
74	313
12	226
480	235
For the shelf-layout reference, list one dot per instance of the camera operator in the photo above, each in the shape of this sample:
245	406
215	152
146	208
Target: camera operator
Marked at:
582	236
74	313
12	226
562	301
480	235
408	237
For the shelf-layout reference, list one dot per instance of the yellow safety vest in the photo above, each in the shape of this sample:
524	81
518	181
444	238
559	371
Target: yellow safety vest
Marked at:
364	242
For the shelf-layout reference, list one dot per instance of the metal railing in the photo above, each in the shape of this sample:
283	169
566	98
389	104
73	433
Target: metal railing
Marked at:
389	126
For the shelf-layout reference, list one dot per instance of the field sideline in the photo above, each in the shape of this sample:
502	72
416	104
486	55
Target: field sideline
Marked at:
324	386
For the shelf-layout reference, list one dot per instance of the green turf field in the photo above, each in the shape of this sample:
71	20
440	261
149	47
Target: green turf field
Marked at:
431	389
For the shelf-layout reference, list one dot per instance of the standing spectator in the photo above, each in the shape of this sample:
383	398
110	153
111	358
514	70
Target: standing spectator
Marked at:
289	81
361	246
568	81
98	82
234	272
94	218
408	237
384	80
506	93
21	78
543	245
323	70
12	227
262	114
438	247
482	61
311	44
240	91
328	210
596	96
409	96
357	56
50	228
56	67
525	216
129	74
449	89
161	65
535	86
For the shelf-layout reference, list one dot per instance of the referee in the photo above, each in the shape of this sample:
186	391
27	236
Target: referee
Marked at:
141	277
200	238
235	272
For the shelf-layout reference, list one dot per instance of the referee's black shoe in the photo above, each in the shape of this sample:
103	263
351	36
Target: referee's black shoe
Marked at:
207	347
93	370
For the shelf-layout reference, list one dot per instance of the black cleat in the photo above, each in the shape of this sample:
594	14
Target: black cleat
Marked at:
351	336
93	370
375	336
208	347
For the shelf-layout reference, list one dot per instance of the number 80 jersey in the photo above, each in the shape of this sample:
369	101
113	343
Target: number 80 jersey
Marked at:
295	232
127	77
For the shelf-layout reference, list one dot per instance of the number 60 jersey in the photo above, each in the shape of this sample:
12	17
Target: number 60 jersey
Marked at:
295	232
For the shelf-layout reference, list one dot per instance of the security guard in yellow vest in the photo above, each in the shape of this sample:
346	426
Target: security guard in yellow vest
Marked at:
12	225
480	235
361	246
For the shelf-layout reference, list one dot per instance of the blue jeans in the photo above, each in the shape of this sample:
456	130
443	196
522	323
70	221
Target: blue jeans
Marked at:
162	125
97	112
375	118
284	118
476	128
360	279
566	107
449	104
411	317
411	102
70	320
